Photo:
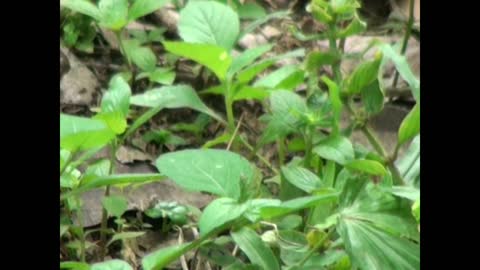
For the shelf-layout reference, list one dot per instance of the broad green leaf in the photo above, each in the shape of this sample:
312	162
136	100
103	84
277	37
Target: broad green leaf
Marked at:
290	222
163	257
410	126
173	97
403	68
256	250
141	8
287	110
115	205
254	207
249	92
336	148
218	213
98	169
367	166
316	60
407	192
115	104
162	75
294	205
372	248
113	13
144	58
213	57
209	22
251	11
293	246
111	265
372	97
287	77
344	7
83	7
210	170
409	165
363	75
367	202
74	266
79	133
247	57
124	235
116	179
302	178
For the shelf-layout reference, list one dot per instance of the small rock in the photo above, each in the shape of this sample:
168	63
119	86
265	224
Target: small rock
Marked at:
251	41
270	32
79	85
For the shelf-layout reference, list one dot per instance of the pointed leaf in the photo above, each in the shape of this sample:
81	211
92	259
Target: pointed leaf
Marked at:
336	148
218	213
255	249
367	166
79	133
410	126
141	8
302	178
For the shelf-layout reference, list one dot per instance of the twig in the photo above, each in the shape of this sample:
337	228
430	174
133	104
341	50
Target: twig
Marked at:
183	260
235	132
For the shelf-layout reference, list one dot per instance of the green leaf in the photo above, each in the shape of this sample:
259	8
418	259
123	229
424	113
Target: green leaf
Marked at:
372	248
356	26
210	170
316	60
334	96
143	57
118	179
222	139
213	57
336	148
111	265
251	11
124	235
247	58
407	192
293	247
367	166
372	97
98	169
141	8
173	97
209	22
294	205
115	104
113	14
410	126
252	26
162	76
287	110
403	68
83	7
255	249
79	133
248	92
250	72
161	258
365	74
74	265
218	213
115	205
409	165
302	178
287	78
416	210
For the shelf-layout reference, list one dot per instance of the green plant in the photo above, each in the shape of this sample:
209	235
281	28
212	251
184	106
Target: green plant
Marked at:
334	205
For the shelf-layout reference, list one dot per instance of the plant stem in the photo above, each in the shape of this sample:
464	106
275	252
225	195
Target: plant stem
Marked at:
103	226
308	148
333	49
374	141
82	234
281	152
408	32
229	108
315	248
260	157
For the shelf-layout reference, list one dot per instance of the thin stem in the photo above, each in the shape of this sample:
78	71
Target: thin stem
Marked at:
82	235
333	49
374	141
229	108
260	157
235	132
308	148
281	152
103	226
406	37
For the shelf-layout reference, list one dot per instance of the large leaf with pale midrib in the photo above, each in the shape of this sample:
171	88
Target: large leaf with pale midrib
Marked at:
173	97
80	133
255	249
210	170
209	22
